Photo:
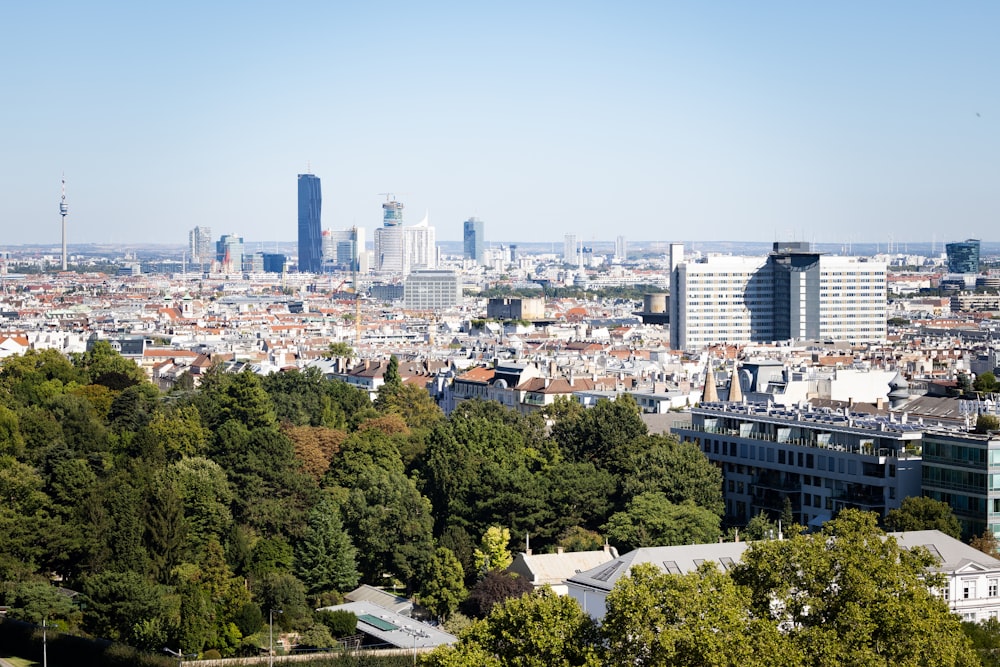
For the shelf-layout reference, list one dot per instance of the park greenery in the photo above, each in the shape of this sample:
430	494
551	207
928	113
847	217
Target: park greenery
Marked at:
182	518
185	518
847	595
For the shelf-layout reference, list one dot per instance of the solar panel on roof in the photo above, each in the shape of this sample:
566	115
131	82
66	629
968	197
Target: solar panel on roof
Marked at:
606	573
377	622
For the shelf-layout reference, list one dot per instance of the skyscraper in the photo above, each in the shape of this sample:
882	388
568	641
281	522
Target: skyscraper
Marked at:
229	253
473	237
400	249
310	230
963	257
200	245
621	249
570	250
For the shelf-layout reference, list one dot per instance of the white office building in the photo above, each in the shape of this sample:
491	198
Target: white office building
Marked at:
791	294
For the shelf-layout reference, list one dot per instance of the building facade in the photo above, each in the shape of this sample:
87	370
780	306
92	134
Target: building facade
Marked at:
200	245
963	469
343	248
963	257
792	294
399	249
229	253
822	460
473	238
310	229
432	290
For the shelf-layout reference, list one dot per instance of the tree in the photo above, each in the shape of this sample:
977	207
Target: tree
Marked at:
759	527
494	552
987	543
578	538
986	383
606	434
340	622
391	377
699	618
920	513
340	349
651	520
986	423
538	630
325	557
680	471
851	595
493	588
443	587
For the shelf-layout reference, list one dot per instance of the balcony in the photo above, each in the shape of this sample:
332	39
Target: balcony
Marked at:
912	452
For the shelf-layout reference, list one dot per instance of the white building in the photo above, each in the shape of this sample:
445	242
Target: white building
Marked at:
972	591
792	294
400	249
432	290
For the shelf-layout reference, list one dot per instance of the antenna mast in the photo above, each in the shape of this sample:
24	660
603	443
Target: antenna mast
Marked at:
63	211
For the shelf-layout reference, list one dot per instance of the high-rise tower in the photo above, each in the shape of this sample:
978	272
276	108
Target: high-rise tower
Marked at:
310	229
473	238
63	211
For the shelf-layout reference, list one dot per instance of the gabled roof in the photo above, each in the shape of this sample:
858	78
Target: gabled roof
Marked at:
558	567
677	559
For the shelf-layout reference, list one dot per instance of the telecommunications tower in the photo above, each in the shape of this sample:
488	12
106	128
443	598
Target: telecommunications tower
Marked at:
63	211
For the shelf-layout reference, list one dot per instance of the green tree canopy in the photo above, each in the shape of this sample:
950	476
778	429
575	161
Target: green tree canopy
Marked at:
920	513
537	630
852	595
650	519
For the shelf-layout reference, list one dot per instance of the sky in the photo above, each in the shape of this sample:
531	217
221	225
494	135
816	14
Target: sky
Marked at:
833	122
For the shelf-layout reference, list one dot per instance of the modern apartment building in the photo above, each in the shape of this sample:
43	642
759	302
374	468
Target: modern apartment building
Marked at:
821	459
310	236
792	294
963	470
963	256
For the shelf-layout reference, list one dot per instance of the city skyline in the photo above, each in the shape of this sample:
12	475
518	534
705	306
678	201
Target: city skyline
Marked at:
837	124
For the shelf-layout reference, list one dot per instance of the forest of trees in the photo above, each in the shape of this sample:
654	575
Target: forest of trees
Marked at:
182	518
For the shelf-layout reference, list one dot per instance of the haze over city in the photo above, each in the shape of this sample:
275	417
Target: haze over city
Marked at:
846	122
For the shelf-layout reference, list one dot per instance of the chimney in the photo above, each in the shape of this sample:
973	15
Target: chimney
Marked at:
559	550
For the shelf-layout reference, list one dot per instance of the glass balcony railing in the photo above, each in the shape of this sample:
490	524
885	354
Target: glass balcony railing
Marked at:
909	452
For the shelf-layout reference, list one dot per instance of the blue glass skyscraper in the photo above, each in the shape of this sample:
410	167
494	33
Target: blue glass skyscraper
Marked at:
310	232
963	257
473	239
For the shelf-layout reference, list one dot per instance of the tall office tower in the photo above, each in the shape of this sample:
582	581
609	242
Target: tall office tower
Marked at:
473	236
389	238
792	294
419	247
200	245
229	253
570	251
621	249
310	235
963	257
342	248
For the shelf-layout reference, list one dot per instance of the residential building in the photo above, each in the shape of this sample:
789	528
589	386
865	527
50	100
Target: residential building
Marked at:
310	210
822	459
553	570
792	294
961	469
473	239
972	576
515	308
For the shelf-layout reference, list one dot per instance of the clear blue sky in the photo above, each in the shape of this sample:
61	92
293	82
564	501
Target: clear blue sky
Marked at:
829	121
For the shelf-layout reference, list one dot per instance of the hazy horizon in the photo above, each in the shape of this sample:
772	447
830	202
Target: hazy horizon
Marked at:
839	123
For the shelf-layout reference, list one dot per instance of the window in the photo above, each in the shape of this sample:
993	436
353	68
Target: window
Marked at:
968	589
993	587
